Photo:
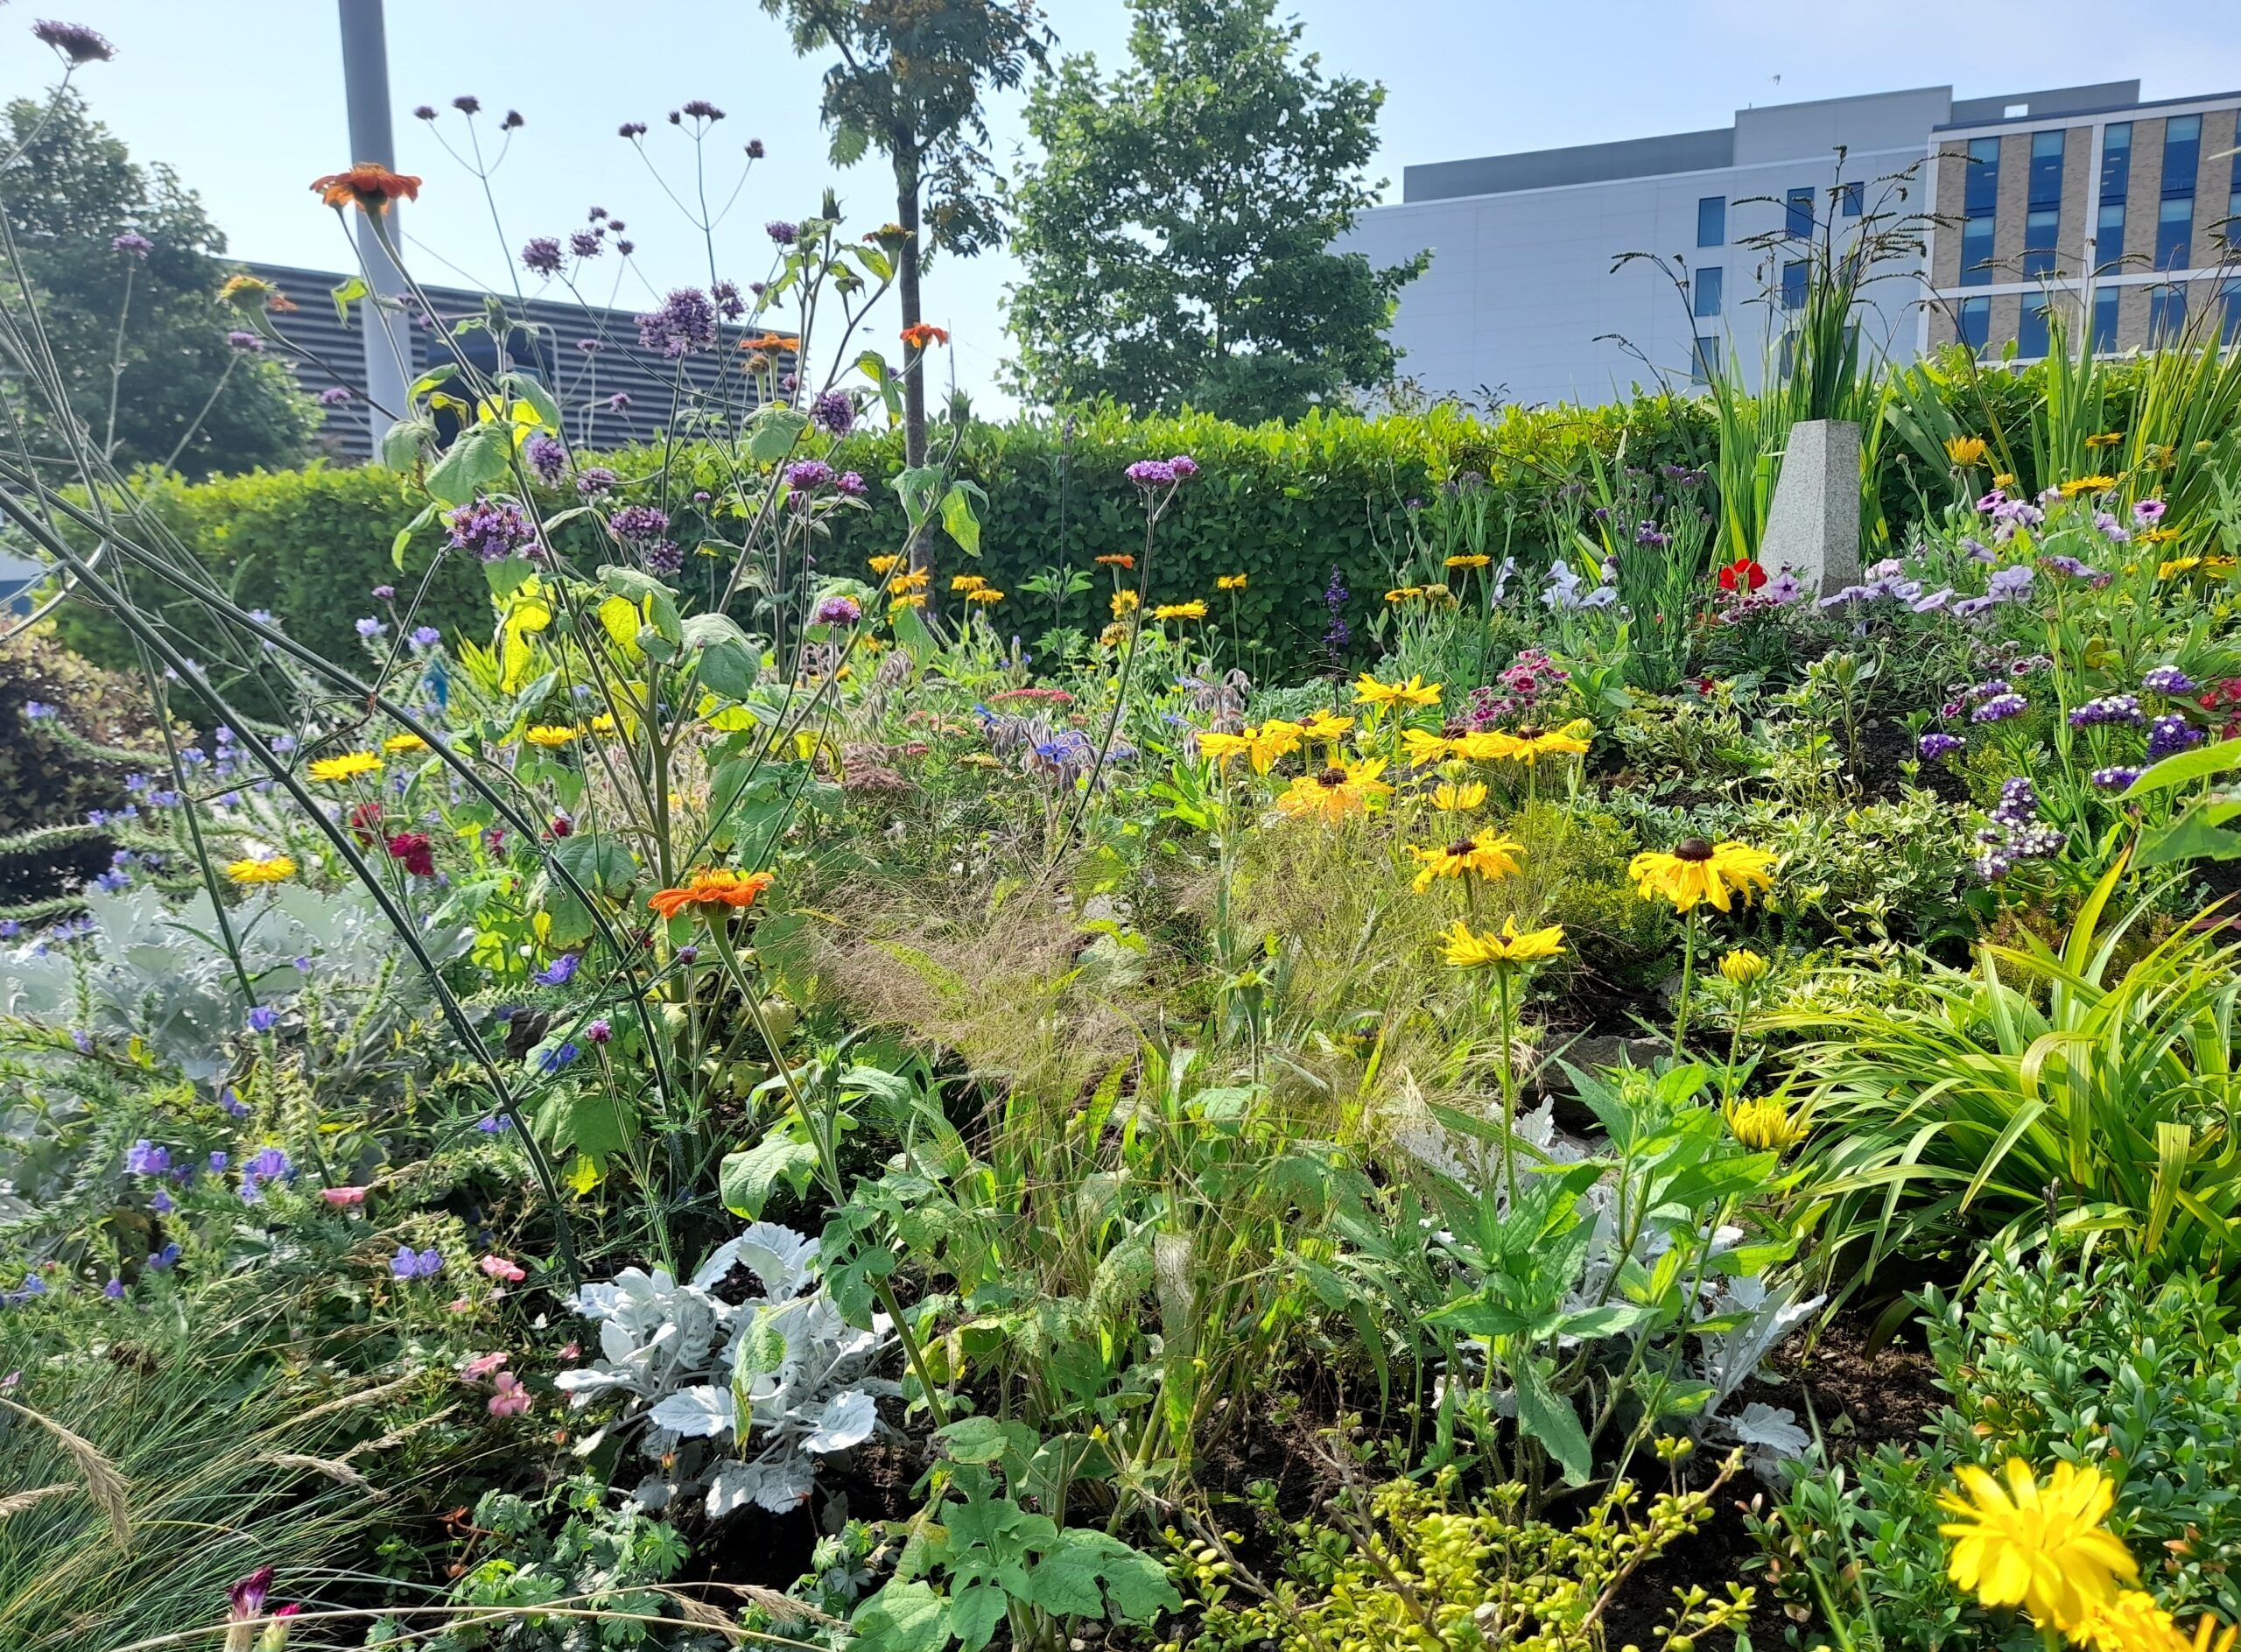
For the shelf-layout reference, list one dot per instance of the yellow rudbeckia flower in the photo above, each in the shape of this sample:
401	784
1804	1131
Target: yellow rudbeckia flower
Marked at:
1466	948
1416	692
2039	1547
1336	792
1697	871
1488	855
350	765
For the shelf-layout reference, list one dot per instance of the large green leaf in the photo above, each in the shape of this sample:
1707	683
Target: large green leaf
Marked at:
474	462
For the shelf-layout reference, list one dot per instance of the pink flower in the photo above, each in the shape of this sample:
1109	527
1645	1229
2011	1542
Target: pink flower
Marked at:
459	1304
572	1352
499	1267
339	1196
481	1365
511	1398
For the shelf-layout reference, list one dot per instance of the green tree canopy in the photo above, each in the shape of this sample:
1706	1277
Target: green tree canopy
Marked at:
70	189
1177	233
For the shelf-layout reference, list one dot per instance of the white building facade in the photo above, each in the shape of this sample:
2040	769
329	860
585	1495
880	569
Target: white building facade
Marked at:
1522	302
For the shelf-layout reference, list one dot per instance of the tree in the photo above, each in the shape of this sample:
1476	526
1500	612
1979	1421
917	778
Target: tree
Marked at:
152	310
1177	233
908	83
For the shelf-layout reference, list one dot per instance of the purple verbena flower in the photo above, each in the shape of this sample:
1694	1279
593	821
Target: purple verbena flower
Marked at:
639	524
686	322
835	411
783	233
490	528
839	610
133	243
541	255
334	396
545	457
804	475
75	41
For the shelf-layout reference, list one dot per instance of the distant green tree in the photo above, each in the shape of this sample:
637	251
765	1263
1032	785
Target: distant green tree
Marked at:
1176	232
69	192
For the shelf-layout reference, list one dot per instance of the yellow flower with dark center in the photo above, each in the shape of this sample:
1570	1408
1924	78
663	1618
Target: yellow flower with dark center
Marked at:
268	868
1425	750
1416	692
1336	792
1229	582
1125	603
884	565
1459	799
1486	745
1466	948
1439	596
986	596
2039	1547
1569	741
2132	1622
1193	609
1488	855
1965	450
2176	566
350	765
1472	561
552	736
400	745
1697	871
909	600
909	583
1114	635
1763	1125
1220	747
1743	968
1325	725
2106	438
967	582
1273	741
603	723
2077	485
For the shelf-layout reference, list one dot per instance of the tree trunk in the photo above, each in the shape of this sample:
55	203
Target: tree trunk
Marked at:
914	370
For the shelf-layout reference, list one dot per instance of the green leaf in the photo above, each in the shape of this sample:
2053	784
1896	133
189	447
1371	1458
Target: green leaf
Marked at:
2198	764
476	460
984	1440
404	536
746	1179
851	144
957	516
522	387
2198	834
346	294
1550	1419
903	1617
403	442
507	574
974	1611
775	430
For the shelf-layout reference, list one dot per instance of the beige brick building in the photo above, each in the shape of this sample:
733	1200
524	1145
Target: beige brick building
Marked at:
2126	218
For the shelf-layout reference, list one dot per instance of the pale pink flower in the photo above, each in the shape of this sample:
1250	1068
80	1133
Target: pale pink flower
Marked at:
481	1365
511	1398
499	1267
459	1304
341	1196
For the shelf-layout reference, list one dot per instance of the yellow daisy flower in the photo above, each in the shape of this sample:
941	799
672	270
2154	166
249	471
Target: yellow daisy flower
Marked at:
884	565
1488	855
1466	948
1327	726
2132	1622
2077	485
1125	603
1229	582
1459	799
1219	748
1369	692
1425	750
2040	1547
269	869
349	765
1965	450
1763	1125
1273	741
1697	871
1486	745
1473	561
1193	609
399	745
552	736
986	596
1569	741
967	582
1336	792
1743	968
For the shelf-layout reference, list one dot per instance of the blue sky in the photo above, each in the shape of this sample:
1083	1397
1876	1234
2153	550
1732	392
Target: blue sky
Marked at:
244	99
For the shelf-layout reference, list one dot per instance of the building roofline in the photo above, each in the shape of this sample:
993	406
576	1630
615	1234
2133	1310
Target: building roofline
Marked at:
2057	116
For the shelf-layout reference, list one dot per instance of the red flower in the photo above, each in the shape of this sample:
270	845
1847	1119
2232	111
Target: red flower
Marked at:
418	853
372	186
919	334
366	823
1743	574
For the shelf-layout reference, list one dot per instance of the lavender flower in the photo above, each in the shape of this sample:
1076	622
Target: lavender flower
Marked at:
492	529
1999	709
839	610
245	343
2168	679
133	243
2117	778
541	255
782	233
852	484
370	628
1336	636
426	636
334	396
596	480
662	557
545	457
686	322
835	411
2109	708
75	41
806	474
2170	734
1934	745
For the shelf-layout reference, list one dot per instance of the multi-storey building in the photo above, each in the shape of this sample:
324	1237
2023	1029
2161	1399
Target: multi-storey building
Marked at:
1527	299
2121	218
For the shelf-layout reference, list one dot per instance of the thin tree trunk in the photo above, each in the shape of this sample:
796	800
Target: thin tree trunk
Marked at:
914	371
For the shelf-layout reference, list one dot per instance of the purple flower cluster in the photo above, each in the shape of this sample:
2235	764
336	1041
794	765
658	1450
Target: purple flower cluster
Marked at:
490	528
1999	709
246	343
133	243
686	322
596	480
266	1164
2168	679
1148	474
410	1264
783	233
639	524
2116	778
804	475
541	255
835	412
839	610
662	557
1336	636
334	396
2109	708
2170	734
1934	745
75	41
545	457
143	1157
2016	832
852	484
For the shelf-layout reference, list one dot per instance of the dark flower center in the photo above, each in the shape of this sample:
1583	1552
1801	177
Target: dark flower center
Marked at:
1692	849
1467	846
1331	778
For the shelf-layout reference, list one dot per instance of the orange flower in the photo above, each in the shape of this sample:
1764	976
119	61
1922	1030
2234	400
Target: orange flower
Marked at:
773	343
1116	560
710	890
920	335
368	183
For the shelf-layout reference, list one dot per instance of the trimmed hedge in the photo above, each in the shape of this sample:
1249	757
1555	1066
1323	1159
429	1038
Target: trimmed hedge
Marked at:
1283	504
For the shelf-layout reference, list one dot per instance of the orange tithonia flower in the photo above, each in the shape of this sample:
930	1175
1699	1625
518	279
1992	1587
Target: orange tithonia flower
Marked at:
371	184
919	334
709	890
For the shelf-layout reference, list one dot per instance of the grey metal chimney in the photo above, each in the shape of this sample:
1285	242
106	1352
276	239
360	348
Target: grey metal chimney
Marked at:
365	78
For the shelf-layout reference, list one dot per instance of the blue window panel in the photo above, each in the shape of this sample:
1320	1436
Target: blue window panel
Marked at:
1797	214
2040	230
2105	319
1709	284
2230	332
2167	315
2031	334
2175	232
2183	154
1976	251
1703	366
1711	221
2108	237
2046	169
1975	322
1793	275
2116	160
1854	199
1980	182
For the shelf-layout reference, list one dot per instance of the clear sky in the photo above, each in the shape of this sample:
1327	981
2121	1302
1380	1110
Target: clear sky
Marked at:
244	99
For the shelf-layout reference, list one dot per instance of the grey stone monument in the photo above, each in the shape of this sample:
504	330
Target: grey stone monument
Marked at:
1813	526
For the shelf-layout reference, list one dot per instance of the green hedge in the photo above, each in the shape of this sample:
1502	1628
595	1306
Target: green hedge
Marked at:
1283	504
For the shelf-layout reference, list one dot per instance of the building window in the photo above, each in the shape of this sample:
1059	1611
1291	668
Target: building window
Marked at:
1708	285
2046	169
1975	322
1797	214
2116	160
2183	154
2031	335
1854	198
2039	229
1977	250
2167	315
1980	182
2109	238
1788	363
2175	232
1711	221
1794	284
2103	342
2230	334
1703	367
